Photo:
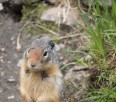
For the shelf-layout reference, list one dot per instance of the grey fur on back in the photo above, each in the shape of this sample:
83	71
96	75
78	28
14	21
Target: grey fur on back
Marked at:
42	42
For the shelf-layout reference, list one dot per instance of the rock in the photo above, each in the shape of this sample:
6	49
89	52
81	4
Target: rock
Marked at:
11	79
1	60
12	39
76	81
2	74
2	1
8	62
1	7
3	49
78	76
59	46
108	2
11	97
1	90
61	15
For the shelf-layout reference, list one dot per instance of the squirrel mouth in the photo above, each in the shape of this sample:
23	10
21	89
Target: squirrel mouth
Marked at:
34	67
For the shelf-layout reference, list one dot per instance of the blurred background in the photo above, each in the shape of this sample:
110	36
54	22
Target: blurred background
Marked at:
85	35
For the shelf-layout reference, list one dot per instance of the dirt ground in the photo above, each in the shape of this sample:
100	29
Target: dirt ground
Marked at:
9	72
9	57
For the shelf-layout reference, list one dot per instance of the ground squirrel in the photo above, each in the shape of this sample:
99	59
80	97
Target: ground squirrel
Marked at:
40	77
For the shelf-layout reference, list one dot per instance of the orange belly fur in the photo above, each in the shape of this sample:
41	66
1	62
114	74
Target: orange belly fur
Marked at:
34	89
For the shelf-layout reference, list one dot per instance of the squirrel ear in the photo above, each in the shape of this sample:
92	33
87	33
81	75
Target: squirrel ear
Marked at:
51	43
25	53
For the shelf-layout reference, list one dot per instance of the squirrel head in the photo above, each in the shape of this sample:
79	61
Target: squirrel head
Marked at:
41	53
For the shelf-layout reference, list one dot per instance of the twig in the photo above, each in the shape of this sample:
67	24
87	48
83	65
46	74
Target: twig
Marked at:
65	14
18	47
69	36
50	31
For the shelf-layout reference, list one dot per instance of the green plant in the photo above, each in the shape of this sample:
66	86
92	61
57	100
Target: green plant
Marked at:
102	29
107	94
77	60
32	14
101	26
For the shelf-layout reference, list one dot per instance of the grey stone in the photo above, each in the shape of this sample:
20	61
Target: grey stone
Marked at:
12	39
11	79
59	46
2	74
78	76
3	49
1	90
2	1
61	15
11	97
1	7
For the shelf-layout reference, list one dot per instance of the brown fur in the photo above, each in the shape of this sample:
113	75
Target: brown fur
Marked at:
34	89
34	55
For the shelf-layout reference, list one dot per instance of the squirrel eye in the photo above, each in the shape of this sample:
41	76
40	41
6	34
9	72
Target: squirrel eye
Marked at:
45	54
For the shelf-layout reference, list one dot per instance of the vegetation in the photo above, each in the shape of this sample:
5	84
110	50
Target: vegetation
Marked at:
102	29
100	25
32	14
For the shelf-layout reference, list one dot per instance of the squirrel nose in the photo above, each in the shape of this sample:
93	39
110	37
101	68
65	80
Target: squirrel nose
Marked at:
32	65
